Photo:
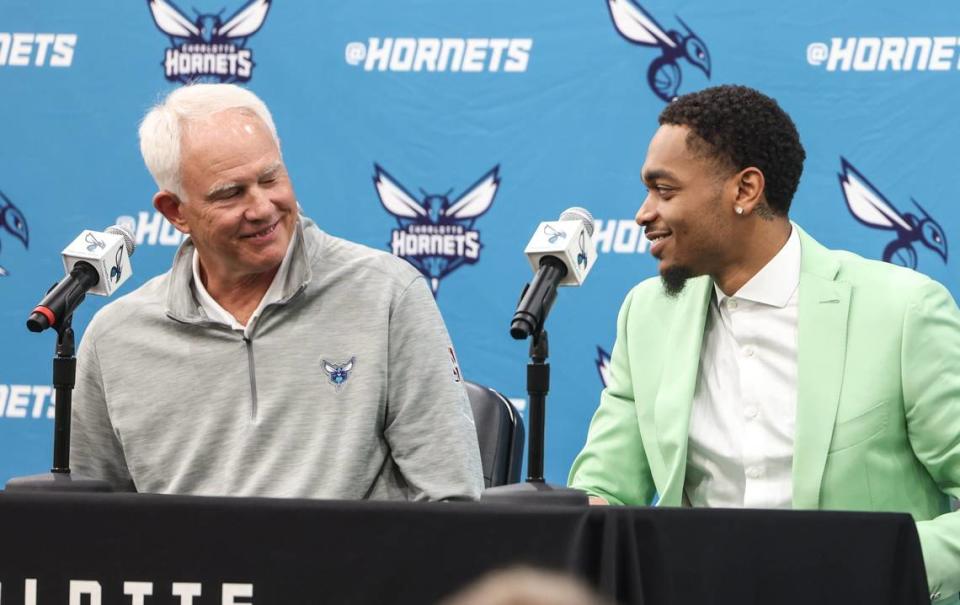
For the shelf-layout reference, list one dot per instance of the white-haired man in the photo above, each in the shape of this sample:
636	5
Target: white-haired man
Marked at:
272	359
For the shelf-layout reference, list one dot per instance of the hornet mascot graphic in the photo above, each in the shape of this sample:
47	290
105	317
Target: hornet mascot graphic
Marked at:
13	222
603	366
208	29
871	208
338	373
639	27
440	216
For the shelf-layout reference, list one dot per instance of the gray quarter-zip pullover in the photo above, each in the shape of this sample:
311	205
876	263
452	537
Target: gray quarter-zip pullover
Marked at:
345	388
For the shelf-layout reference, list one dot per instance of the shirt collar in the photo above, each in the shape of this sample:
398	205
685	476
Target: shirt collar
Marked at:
776	282
273	293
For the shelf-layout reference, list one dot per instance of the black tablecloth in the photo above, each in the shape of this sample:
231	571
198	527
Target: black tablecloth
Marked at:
300	551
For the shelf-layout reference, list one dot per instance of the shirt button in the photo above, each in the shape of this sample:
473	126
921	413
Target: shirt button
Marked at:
751	412
754	472
732	303
748	351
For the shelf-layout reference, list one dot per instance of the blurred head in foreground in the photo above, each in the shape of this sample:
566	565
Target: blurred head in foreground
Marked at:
526	586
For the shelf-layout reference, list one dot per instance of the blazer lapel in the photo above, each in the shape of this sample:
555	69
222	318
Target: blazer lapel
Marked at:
821	349
677	384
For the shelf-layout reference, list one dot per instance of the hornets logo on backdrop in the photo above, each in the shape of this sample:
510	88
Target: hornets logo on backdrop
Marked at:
638	26
871	208
13	227
208	48
436	235
897	54
603	366
150	228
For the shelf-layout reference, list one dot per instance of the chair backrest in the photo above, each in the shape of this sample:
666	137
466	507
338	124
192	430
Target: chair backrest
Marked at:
500	433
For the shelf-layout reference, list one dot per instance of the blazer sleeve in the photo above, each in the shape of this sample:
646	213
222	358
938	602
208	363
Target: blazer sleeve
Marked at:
613	464
931	390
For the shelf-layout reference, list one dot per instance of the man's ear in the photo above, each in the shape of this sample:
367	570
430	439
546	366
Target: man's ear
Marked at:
751	186
170	206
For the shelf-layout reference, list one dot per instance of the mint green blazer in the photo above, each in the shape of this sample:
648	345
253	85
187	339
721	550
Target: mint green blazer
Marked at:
878	398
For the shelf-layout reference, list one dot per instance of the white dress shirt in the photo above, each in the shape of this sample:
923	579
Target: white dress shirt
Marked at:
217	313
740	448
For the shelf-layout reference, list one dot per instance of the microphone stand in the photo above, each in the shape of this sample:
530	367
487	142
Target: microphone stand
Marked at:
59	479
536	490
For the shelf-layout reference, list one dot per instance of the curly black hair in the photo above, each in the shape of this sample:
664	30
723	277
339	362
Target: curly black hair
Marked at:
743	127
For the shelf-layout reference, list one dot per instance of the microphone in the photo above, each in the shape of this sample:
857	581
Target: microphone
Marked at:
561	253
95	262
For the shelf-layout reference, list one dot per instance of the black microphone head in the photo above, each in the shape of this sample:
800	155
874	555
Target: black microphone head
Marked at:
37	322
521	328
128	241
579	214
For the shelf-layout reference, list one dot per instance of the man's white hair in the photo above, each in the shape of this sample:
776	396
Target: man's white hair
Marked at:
162	127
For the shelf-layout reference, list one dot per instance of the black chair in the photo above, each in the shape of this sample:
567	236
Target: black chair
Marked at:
500	432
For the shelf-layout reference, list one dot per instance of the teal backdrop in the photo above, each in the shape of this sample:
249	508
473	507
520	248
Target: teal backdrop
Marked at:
553	96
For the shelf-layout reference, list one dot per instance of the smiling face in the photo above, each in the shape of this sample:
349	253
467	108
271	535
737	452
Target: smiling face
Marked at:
238	204
688	213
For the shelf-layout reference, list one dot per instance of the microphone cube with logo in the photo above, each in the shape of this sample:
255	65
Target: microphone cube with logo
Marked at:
108	252
568	239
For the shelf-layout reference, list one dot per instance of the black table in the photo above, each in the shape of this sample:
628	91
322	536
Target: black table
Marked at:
301	551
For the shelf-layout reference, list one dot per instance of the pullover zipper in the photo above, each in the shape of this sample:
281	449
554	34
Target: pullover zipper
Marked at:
251	367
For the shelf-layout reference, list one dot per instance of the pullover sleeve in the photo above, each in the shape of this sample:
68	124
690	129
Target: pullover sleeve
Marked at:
429	422
95	450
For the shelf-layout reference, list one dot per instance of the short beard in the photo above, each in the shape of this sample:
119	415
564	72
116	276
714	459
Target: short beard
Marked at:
674	279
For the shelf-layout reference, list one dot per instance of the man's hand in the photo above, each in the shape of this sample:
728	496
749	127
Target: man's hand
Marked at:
598	501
